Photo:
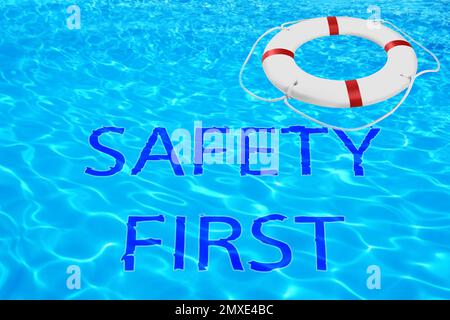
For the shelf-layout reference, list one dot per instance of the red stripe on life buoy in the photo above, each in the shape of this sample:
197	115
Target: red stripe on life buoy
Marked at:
333	25
272	52
396	43
354	94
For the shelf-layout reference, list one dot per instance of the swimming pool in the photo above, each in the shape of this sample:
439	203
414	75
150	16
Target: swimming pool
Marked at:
146	64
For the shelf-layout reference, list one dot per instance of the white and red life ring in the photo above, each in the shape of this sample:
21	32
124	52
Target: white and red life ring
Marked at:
281	69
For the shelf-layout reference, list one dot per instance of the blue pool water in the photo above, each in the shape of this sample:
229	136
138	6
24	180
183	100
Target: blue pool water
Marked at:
142	64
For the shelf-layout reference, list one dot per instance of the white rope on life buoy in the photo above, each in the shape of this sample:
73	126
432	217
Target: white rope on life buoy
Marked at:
403	58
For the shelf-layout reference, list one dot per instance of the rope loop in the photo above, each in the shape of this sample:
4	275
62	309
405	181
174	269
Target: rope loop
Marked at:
285	98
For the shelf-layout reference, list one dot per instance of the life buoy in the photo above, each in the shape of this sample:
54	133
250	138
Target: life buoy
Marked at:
399	73
282	71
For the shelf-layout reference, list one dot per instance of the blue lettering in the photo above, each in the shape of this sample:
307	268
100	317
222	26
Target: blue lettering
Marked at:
180	243
132	242
319	226
245	162
205	243
94	142
200	150
357	152
286	252
305	149
170	156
